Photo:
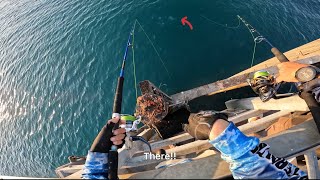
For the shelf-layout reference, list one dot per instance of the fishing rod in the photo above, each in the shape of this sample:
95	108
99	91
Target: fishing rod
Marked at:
117	104
265	85
259	38
131	121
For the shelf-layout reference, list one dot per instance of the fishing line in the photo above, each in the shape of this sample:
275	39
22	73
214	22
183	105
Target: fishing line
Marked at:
254	47
256	39
154	49
252	30
236	27
133	61
256	36
222	25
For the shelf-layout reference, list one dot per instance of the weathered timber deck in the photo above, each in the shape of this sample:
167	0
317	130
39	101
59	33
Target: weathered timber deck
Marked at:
306	54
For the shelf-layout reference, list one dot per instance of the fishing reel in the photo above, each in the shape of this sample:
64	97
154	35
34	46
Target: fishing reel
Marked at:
132	122
264	84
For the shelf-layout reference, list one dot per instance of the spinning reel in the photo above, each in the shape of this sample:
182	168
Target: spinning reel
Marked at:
264	84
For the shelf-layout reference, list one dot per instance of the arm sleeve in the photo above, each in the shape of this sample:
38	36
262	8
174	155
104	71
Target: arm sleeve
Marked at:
96	166
250	159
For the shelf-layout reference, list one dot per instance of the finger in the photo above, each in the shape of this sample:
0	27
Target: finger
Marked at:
119	131
117	142
117	137
276	77
122	121
113	120
185	127
279	80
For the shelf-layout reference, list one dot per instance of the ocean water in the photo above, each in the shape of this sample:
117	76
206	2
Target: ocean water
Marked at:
59	61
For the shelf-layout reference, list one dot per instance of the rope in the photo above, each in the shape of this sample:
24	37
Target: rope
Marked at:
133	62
222	25
154	48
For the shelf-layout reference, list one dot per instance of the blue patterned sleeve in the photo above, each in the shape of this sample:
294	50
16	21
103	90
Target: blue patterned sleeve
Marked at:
96	166
250	159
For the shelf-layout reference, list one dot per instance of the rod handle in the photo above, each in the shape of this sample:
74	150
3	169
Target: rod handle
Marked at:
279	55
313	106
118	101
113	165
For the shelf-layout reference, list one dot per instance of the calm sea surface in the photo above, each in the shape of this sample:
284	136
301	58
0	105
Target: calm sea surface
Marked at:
59	61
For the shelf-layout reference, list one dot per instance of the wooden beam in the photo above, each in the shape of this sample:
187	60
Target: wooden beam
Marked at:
76	175
230	83
140	160
169	141
312	165
206	168
307	50
201	145
126	153
246	115
292	103
300	137
196	146
262	123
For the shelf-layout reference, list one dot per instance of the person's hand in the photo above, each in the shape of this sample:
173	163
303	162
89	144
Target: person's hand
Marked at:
119	134
106	138
287	71
201	124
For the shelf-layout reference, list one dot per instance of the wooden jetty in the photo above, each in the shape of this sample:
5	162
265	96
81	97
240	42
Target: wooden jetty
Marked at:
197	158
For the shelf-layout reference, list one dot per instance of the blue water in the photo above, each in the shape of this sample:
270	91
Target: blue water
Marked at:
59	61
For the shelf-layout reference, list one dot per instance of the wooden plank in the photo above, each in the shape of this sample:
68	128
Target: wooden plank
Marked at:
262	123
169	141
126	153
233	112
191	147
312	165
304	168
196	146
233	82
206	168
292	103
300	137
305	51
246	115
264	65
201	145
76	175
